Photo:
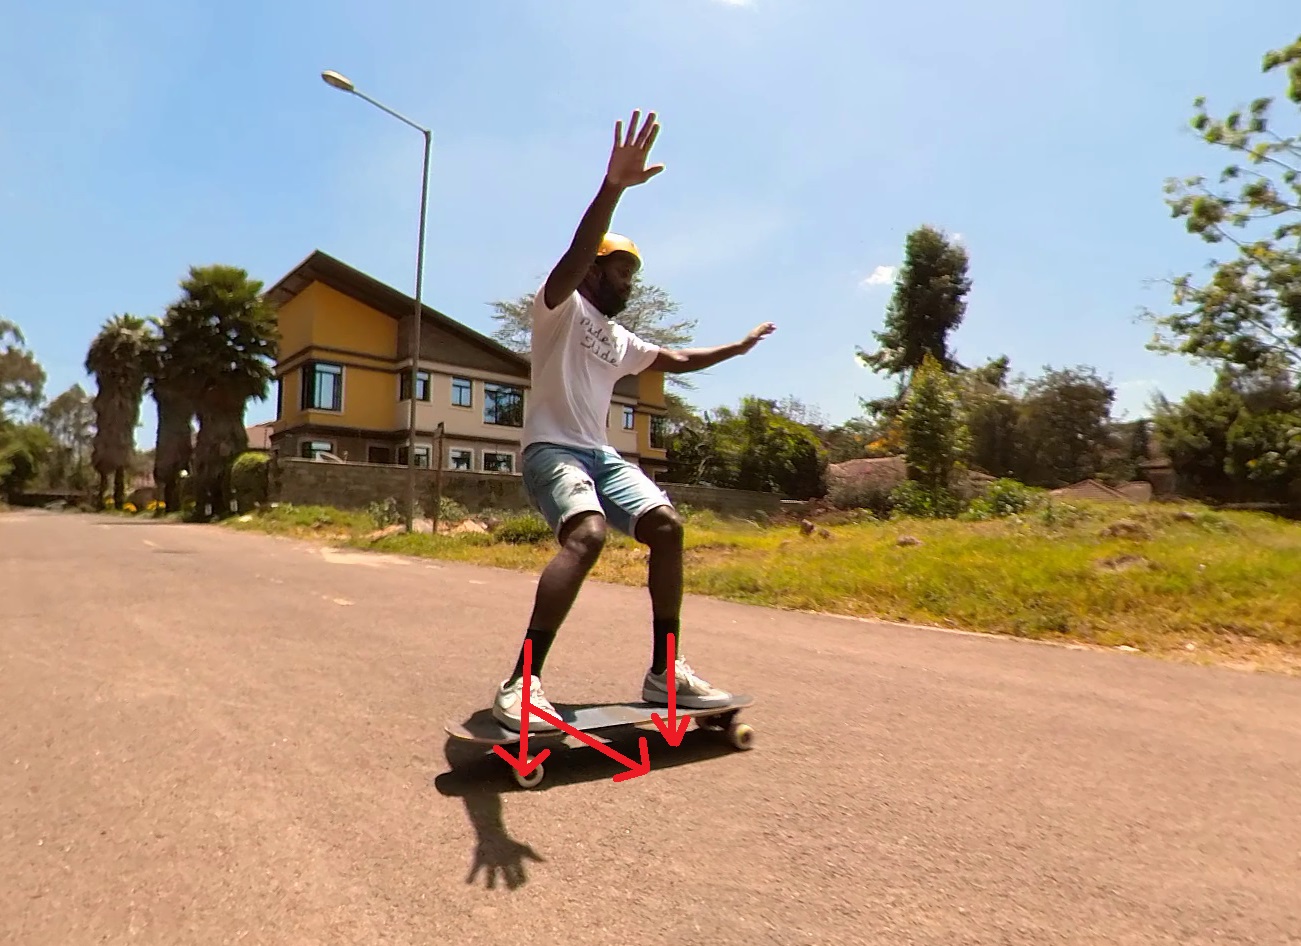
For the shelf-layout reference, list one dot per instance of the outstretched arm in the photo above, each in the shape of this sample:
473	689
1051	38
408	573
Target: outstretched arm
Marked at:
679	361
627	168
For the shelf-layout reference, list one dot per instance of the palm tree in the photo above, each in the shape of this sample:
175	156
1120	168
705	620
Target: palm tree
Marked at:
118	359
175	444
229	338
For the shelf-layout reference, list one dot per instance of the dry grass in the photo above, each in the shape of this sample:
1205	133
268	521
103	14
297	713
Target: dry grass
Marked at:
1183	581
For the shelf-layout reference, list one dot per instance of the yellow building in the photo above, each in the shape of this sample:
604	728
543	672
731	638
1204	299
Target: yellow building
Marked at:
344	370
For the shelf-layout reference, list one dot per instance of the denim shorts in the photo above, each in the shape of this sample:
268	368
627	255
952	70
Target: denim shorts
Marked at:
563	481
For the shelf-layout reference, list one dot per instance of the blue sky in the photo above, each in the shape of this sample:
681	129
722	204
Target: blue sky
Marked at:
803	140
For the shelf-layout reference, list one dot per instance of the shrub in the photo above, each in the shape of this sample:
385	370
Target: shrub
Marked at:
527	528
1008	497
1064	514
248	479
449	510
915	501
385	513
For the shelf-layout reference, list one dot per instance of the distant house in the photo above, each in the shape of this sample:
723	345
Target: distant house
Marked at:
343	381
259	436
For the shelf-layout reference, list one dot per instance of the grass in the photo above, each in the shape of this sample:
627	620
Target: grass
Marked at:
1181	581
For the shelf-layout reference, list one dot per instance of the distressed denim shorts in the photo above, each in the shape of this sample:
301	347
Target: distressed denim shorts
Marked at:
563	481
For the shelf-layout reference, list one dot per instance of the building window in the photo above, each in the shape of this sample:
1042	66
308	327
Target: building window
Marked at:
311	448
503	405
462	393
627	418
659	432
422	455
379	455
498	462
322	386
461	458
422	386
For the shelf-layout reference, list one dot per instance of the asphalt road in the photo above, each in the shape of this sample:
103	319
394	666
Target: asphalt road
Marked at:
209	737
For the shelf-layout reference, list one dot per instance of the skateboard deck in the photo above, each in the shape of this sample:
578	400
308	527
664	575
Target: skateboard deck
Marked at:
483	728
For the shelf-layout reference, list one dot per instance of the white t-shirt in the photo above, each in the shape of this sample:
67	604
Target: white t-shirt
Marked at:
578	355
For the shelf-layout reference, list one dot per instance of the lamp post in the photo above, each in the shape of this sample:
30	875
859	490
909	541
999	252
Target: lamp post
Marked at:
344	84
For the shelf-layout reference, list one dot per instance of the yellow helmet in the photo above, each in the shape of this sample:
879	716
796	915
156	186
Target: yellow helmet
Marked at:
615	243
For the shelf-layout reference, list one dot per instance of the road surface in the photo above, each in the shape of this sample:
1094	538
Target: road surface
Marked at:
211	737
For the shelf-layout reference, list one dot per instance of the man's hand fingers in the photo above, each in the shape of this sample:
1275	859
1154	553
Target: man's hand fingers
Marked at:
632	127
649	132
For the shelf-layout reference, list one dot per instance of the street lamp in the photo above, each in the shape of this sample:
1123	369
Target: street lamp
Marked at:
344	84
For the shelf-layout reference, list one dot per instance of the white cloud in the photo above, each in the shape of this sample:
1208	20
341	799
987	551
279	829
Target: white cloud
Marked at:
881	276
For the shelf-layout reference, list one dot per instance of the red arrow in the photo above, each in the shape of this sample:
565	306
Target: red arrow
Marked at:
634	769
523	765
673	730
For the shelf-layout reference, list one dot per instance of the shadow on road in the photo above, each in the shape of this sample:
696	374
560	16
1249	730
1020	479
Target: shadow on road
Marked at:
479	777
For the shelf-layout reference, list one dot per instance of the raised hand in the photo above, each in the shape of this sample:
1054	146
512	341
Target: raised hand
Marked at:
628	158
757	333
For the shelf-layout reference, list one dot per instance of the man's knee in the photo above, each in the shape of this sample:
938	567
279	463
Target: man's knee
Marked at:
584	535
661	528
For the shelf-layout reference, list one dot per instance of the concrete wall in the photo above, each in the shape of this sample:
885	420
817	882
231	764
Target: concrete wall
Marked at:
727	502
356	485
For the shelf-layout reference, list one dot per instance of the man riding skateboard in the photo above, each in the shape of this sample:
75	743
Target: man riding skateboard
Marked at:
578	481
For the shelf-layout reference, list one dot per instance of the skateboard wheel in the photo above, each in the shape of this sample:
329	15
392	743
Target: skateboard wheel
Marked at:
741	736
532	780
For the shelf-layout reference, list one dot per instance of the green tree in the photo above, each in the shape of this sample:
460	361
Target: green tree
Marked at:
118	360
850	440
1264	453
1238	442
22	379
24	448
1140	444
935	437
928	304
70	421
1194	434
222	337
754	447
991	412
1063	428
1248	313
650	314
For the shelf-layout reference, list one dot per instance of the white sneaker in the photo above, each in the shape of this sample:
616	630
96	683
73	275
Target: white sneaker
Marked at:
692	691
510	698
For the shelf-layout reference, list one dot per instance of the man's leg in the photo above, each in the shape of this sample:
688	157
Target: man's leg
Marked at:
559	483
581	541
660	530
639	508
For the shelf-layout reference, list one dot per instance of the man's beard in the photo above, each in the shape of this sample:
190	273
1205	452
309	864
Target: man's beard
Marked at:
610	300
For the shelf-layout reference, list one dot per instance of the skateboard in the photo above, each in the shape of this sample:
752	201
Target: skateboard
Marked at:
484	729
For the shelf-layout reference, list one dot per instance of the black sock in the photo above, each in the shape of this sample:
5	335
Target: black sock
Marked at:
541	644
663	627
